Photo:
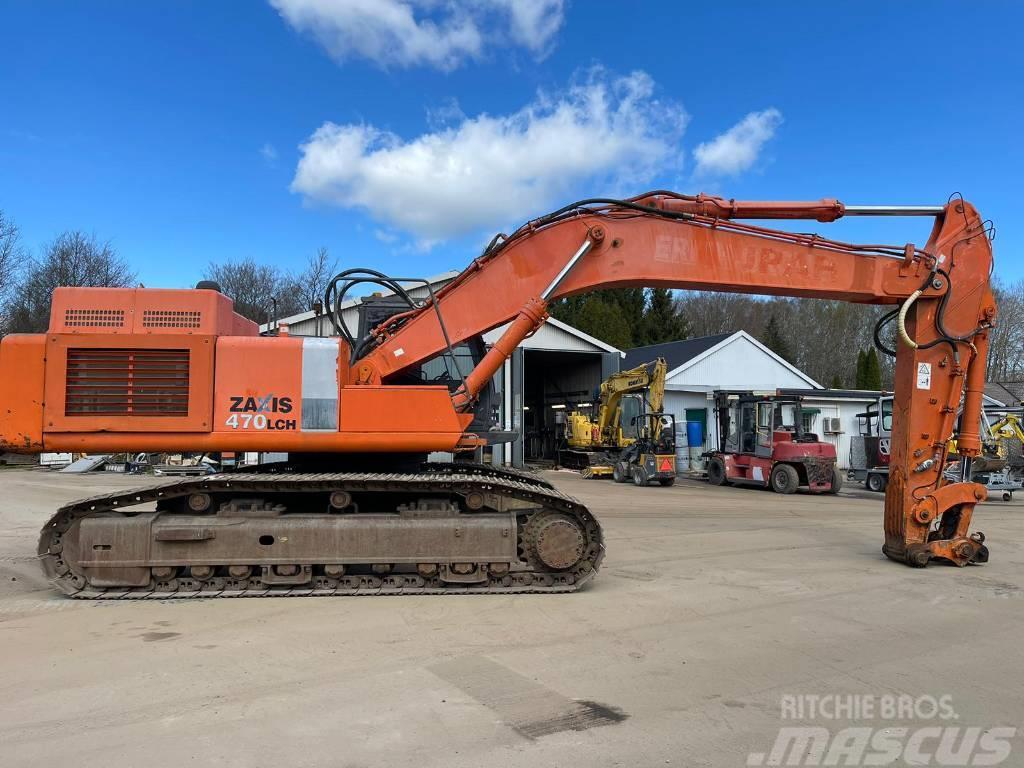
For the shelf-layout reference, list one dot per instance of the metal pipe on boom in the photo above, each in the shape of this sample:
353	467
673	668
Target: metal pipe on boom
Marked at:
825	210
530	318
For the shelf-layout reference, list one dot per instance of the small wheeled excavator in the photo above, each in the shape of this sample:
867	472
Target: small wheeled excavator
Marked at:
593	446
651	457
355	510
759	447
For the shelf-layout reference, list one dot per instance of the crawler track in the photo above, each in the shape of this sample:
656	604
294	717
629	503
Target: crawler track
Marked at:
545	521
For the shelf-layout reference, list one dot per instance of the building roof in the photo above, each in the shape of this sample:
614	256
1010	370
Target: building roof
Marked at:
836	394
1001	393
437	281
685	353
864	394
676	353
554	335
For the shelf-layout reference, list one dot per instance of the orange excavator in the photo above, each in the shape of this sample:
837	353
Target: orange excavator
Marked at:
354	510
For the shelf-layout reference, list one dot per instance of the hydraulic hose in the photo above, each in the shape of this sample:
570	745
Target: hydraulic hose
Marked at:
901	322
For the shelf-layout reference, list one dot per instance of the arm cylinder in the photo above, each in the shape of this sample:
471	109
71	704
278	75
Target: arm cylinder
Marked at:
720	208
969	440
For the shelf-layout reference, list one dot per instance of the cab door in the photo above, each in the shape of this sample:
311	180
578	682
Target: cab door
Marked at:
763	439
747	428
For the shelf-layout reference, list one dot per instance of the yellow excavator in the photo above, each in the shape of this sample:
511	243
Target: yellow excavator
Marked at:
628	408
1008	428
999	467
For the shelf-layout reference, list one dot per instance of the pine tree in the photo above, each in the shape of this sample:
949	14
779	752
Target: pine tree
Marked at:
662	320
625	317
775	341
599	318
872	370
631	301
861	363
837	383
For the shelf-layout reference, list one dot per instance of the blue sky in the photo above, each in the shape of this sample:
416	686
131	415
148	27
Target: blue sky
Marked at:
402	133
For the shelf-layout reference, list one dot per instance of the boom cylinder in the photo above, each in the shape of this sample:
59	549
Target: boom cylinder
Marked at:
530	318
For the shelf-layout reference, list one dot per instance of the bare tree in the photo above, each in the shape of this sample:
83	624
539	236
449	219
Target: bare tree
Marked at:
1006	340
11	253
75	260
255	287
822	337
312	281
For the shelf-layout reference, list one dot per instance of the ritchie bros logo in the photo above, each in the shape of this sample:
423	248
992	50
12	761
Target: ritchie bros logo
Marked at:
896	730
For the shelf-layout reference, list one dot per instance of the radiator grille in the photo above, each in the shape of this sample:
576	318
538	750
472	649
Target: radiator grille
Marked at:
168	318
94	318
127	382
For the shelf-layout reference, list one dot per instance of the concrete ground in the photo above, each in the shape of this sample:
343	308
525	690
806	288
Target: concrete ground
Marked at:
711	605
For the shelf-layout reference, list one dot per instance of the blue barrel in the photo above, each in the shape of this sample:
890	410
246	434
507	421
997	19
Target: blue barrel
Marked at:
694	434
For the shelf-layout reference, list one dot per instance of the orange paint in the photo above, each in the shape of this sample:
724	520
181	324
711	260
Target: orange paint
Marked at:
200	376
265	372
22	381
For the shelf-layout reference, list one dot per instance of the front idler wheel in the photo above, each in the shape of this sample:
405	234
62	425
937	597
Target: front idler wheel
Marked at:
559	542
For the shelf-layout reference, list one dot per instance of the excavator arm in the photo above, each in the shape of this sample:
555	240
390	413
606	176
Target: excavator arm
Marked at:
941	291
1007	428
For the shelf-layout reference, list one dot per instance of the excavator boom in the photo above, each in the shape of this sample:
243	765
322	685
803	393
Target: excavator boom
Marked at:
148	370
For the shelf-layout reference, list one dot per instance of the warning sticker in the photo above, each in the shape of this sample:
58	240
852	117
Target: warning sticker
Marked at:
924	375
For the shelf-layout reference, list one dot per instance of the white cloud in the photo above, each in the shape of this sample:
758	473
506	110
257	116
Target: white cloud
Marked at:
533	23
407	33
489	171
268	152
737	149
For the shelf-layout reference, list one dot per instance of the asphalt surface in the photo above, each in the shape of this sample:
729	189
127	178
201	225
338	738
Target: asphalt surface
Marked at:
713	604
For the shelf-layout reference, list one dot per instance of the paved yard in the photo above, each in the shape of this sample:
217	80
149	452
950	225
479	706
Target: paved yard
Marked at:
713	603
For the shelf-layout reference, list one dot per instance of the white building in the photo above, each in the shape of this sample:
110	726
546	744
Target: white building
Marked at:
843	405
698	367
737	361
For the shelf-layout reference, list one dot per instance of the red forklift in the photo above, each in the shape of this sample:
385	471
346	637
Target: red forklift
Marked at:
762	443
